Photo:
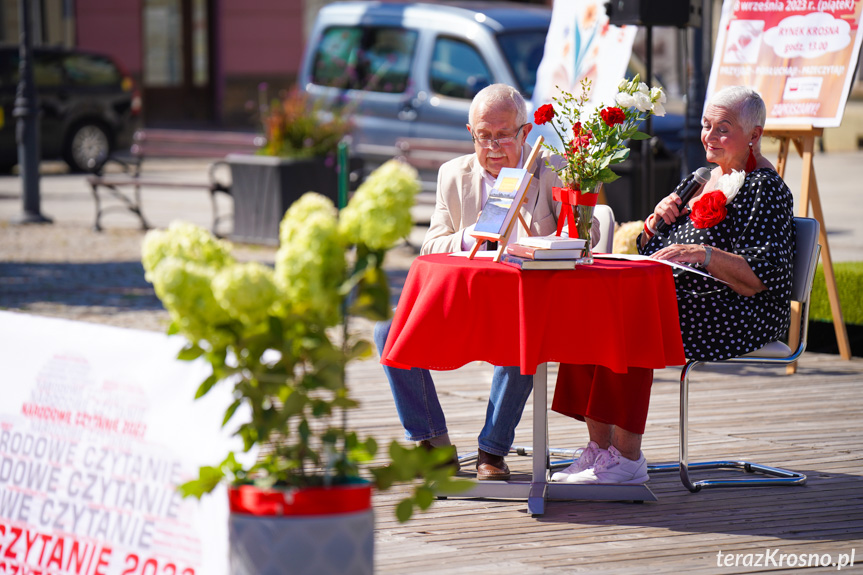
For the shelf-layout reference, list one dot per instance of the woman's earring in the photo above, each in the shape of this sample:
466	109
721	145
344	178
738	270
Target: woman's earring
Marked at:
751	162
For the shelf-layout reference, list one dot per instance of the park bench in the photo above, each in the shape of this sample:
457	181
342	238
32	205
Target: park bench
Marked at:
125	186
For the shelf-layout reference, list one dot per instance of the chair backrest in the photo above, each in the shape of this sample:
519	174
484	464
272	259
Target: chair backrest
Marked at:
806	251
605	215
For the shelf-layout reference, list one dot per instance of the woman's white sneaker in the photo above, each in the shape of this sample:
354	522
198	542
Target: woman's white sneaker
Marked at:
613	468
588	457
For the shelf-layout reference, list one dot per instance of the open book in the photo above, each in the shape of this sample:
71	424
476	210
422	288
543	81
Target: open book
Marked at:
503	202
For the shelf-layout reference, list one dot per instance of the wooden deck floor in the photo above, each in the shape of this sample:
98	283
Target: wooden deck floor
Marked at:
810	422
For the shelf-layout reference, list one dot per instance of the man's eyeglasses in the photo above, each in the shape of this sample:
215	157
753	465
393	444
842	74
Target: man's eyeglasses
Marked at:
490	142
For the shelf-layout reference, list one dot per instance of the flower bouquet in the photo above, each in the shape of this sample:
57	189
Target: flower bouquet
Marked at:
598	141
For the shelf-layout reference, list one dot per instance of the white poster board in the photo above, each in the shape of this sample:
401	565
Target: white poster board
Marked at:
582	44
97	428
800	55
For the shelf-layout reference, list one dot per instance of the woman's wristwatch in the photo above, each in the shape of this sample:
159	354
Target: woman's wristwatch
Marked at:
708	251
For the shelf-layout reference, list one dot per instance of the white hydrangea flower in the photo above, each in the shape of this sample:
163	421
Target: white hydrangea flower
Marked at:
310	262
378	215
624	100
246	291
187	242
730	184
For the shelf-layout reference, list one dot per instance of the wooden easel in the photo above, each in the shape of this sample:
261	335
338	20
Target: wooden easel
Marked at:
803	138
503	238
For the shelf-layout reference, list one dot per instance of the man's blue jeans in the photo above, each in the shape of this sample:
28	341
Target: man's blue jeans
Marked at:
422	416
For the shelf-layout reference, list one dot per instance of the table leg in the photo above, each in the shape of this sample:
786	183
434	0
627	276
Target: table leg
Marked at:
539	479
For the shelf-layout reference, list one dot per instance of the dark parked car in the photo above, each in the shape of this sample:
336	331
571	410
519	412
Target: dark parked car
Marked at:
88	106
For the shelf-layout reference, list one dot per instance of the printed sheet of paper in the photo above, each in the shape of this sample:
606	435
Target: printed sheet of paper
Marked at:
639	258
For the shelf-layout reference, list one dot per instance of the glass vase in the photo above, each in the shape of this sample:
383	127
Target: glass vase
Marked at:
585	204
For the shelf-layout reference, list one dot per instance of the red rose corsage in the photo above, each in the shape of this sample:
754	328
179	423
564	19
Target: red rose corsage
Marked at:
709	210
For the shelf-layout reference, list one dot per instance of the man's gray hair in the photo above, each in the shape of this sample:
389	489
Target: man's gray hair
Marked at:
499	95
745	101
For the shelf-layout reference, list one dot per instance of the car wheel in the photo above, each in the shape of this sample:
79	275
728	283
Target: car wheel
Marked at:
87	147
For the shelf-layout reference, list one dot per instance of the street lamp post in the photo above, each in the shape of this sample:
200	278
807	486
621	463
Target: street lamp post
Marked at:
27	127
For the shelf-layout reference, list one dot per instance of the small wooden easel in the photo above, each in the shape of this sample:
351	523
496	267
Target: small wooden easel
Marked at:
803	138
503	238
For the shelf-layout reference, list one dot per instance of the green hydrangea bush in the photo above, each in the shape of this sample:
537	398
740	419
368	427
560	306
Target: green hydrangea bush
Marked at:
273	335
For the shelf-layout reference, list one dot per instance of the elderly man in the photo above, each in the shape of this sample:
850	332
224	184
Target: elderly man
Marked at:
499	128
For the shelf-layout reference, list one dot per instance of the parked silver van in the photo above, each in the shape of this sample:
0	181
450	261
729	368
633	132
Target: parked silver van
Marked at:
410	70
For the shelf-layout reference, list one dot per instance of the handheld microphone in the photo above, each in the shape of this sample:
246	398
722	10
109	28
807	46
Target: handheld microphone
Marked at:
692	186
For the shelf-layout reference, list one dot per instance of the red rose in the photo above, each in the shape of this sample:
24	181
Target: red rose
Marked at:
613	116
709	210
543	114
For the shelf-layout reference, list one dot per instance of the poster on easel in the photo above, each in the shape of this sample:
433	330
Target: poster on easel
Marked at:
800	55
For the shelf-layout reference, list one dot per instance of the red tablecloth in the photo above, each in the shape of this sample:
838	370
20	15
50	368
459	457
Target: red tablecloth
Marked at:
613	313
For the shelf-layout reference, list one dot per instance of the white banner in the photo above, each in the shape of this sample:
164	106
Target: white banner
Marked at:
800	55
582	44
97	428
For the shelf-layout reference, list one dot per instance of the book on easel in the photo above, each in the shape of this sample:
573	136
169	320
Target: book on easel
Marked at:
501	209
503	201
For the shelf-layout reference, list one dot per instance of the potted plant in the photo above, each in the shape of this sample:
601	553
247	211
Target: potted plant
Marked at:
273	335
299	155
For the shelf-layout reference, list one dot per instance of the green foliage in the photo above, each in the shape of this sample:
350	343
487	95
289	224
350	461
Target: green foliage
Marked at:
431	466
268	334
849	284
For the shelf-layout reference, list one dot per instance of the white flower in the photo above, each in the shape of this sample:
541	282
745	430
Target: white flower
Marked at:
657	95
730	184
642	87
658	109
642	101
624	100
623	86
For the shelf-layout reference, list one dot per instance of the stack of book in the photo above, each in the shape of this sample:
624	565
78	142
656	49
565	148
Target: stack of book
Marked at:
544	253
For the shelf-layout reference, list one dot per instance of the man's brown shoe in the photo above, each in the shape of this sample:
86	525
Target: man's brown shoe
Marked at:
491	467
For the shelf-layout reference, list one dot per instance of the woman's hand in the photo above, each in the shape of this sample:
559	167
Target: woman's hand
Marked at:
682	253
728	267
668	209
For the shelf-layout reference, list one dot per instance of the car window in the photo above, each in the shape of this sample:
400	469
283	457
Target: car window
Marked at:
86	70
457	69
47	70
365	58
523	52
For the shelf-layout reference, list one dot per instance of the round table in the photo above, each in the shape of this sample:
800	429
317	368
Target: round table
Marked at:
615	313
